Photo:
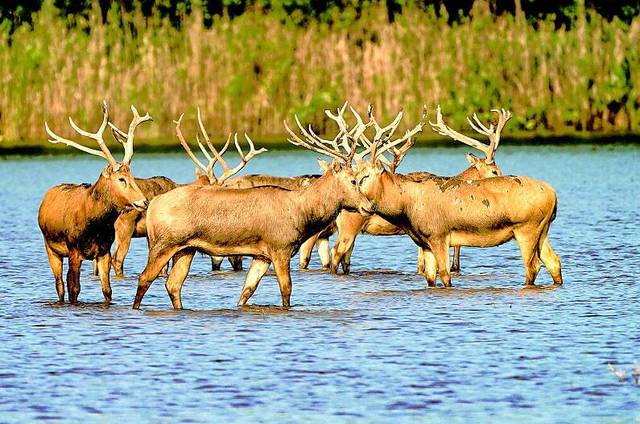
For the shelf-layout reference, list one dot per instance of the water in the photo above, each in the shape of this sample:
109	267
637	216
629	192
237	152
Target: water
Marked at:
373	346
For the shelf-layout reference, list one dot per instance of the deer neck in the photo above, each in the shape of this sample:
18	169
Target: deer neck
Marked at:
100	204
319	203
471	173
393	196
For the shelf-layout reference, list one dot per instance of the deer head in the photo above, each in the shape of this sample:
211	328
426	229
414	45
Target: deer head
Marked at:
370	173
204	173
480	168
117	176
342	149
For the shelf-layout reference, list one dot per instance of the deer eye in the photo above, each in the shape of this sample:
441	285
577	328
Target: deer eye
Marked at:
353	182
122	181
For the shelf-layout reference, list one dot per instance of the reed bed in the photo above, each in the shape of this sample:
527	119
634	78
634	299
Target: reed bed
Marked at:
251	72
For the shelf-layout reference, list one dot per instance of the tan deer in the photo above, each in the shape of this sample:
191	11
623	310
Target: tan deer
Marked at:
350	224
77	220
320	240
439	213
268	223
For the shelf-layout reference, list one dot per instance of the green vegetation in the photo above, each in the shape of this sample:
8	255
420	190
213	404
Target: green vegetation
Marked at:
249	72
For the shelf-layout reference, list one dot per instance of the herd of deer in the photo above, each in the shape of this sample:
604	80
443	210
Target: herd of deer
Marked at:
271	218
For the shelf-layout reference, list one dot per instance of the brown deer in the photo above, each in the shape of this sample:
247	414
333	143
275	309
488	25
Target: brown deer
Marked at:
77	220
268	223
131	222
349	224
439	213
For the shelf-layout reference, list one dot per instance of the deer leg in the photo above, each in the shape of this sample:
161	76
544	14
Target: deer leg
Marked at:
73	276
257	269
305	251
216	261
420	268
550	260
340	248
528	241
346	258
181	265
95	268
158	259
440	249
236	262
104	268
283	274
455	267
124	233
55	262
324	252
430	266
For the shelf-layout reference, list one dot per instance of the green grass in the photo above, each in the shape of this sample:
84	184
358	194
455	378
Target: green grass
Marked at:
252	72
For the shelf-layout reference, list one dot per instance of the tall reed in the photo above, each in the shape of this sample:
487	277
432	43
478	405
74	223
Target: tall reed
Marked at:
251	72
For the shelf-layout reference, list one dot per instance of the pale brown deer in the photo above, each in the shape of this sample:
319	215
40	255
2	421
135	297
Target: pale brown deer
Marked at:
349	224
438	214
77	220
268	223
205	175
320	240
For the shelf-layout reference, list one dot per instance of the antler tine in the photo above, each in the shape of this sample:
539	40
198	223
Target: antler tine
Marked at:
503	117
311	143
97	136
297	141
204	151
118	134
216	155
441	128
244	159
207	169
137	120
398	154
344	133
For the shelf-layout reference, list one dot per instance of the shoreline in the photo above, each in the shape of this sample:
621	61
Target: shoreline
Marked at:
26	148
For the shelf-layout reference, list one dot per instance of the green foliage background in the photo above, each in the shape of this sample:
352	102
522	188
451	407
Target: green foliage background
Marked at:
249	66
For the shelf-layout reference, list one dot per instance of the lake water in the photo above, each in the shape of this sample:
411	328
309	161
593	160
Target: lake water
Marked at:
373	346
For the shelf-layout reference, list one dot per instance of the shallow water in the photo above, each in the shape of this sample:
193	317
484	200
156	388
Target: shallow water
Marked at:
370	346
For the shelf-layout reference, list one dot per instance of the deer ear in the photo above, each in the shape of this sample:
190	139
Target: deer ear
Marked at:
324	165
473	160
107	171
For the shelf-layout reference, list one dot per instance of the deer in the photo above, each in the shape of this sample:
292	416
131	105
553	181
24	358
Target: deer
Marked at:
320	240
131	223
268	223
77	220
439	213
350	224
205	175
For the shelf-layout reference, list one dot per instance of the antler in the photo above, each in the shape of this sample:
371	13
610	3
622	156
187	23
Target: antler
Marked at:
126	139
217	155
97	136
331	148
382	143
493	132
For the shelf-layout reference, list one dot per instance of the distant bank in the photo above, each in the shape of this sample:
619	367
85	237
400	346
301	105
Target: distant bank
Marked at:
42	147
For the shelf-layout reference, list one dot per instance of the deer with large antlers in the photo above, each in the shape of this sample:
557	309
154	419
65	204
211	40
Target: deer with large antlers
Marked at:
350	224
479	167
268	223
439	213
77	220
